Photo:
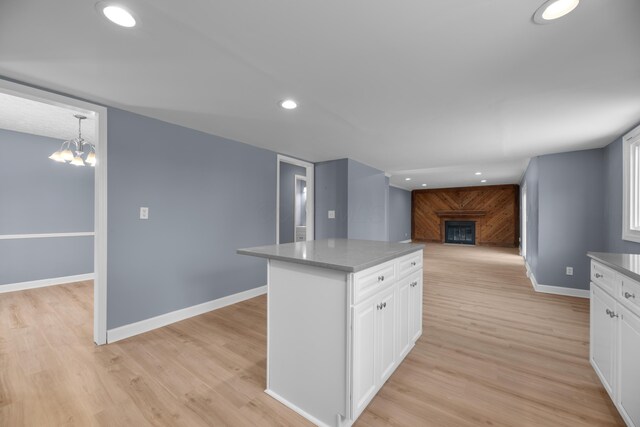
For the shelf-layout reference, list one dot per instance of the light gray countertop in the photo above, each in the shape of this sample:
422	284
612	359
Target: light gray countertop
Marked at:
337	254
628	264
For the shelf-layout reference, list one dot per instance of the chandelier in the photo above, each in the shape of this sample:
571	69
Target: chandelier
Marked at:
76	151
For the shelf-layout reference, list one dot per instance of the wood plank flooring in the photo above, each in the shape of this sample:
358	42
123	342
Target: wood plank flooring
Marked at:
493	352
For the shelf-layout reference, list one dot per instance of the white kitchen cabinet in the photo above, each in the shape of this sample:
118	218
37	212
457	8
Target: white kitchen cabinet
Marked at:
628	359
335	322
615	332
603	336
365	375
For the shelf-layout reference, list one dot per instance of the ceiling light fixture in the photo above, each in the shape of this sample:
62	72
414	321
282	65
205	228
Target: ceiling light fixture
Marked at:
424	185
289	104
117	14
554	9
407	179
483	180
478	173
83	151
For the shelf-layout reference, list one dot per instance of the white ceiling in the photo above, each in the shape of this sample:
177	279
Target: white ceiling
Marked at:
37	118
411	85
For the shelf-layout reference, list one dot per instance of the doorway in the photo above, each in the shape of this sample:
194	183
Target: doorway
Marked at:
294	200
523	208
99	114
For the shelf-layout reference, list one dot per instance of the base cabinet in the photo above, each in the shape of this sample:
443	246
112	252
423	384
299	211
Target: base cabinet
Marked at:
615	341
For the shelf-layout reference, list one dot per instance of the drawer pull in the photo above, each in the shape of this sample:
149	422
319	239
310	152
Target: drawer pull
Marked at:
414	284
381	305
413	263
627	295
380	278
611	314
598	275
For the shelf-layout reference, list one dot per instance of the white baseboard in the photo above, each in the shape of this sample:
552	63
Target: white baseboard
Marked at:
147	325
13	287
405	241
295	408
555	290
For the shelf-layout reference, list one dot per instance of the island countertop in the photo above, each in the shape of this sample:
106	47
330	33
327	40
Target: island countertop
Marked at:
628	264
336	254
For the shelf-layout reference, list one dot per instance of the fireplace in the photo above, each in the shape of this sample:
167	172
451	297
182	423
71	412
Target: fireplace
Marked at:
461	232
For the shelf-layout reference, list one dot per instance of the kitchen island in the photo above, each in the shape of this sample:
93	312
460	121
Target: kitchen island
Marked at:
341	316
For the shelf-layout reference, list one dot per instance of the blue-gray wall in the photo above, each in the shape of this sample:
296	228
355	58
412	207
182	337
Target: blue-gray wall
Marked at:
399	214
571	216
367	201
287	199
40	196
574	205
331	194
204	203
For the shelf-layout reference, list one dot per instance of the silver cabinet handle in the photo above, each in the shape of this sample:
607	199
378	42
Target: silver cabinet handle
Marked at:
380	278
384	304
611	313
414	284
379	306
627	295
413	263
598	275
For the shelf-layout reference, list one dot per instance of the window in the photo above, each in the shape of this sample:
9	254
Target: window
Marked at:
631	186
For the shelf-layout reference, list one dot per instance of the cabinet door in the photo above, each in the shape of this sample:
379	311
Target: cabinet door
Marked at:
386	335
603	336
628	377
364	348
416	308
404	317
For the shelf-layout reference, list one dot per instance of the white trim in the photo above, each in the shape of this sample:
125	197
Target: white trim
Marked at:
398	187
45	235
555	290
297	178
628	233
156	322
33	284
310	194
294	408
100	208
405	241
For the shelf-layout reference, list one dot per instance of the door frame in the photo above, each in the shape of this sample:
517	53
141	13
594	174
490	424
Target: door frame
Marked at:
100	194
310	209
297	178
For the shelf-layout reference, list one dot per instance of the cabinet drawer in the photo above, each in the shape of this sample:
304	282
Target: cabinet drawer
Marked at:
630	294
372	280
604	276
409	263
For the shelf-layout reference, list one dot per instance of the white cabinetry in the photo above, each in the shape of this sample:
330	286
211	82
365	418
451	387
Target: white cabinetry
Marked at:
334	337
615	338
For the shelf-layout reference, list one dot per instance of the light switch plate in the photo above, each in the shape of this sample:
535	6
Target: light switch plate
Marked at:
144	213
569	271
332	214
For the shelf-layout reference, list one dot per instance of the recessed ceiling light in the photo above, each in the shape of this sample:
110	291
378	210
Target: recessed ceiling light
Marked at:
554	9
483	180
288	104
424	185
478	173
117	14
407	179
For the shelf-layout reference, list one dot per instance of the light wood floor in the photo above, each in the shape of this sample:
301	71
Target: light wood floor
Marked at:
493	353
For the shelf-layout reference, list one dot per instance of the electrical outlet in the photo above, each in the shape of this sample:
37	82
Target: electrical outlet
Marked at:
569	271
144	213
332	214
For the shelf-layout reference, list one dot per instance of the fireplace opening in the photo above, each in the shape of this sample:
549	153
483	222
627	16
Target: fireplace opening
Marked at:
460	232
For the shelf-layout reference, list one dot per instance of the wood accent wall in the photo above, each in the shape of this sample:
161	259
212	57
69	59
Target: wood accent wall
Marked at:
494	208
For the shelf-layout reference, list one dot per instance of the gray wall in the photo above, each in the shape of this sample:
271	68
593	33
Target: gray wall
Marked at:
367	201
570	216
204	203
399	214
331	194
287	200
40	196
612	198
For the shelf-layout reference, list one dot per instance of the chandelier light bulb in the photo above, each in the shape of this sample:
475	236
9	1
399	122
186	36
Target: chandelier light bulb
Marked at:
57	156
77	161
67	155
91	159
